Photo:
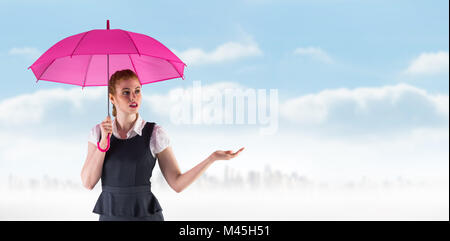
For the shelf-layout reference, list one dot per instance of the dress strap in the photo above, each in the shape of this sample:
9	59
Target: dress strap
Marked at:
148	129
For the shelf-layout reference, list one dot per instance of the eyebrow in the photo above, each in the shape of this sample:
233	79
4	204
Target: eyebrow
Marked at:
129	88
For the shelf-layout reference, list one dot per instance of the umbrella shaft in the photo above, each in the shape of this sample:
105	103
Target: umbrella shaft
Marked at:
107	79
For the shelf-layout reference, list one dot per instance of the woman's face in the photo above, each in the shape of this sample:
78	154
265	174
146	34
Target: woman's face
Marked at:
128	96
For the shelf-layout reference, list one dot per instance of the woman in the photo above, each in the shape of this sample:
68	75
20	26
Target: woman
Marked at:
125	167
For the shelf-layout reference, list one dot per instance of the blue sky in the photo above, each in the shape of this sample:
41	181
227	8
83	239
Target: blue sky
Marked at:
329	60
369	41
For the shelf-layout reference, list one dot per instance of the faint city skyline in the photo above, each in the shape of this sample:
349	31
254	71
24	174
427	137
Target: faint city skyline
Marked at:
231	178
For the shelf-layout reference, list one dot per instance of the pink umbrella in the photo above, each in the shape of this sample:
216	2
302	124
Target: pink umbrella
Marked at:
90	58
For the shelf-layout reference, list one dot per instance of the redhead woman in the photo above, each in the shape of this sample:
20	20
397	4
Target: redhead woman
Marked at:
126	164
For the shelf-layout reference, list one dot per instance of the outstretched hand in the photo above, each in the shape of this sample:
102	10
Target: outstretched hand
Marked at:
225	155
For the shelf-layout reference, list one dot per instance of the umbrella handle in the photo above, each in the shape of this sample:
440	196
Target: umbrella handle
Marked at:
107	147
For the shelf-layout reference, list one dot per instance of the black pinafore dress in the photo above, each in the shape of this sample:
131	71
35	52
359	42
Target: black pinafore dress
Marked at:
126	189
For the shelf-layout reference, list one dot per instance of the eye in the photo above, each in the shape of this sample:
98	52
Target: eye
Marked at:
137	91
126	92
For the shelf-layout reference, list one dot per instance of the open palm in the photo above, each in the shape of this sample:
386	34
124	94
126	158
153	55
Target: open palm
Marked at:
226	155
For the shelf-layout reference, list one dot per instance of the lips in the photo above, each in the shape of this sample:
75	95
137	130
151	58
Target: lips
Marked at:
133	105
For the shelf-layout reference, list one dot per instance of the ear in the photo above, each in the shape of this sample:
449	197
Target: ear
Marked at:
111	98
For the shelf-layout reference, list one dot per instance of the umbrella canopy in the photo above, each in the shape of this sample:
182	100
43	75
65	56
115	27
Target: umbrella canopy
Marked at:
90	58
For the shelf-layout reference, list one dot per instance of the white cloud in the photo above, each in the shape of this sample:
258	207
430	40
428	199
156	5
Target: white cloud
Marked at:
372	109
163	103
31	108
226	52
223	103
343	111
368	109
429	63
31	53
315	53
442	103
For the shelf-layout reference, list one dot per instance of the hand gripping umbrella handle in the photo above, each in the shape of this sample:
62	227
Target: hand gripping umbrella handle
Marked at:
107	147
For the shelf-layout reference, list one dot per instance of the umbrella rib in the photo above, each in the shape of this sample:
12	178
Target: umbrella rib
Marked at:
132	40
87	69
45	70
132	63
175	69
79	43
158	57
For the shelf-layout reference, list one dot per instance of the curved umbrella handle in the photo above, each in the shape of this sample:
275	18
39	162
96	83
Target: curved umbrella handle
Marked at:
107	147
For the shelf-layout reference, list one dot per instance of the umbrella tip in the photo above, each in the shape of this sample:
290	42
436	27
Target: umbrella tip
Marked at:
107	24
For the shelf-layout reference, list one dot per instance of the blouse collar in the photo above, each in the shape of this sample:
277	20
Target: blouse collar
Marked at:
137	128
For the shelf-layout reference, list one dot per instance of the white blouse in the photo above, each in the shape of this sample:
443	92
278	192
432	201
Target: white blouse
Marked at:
158	141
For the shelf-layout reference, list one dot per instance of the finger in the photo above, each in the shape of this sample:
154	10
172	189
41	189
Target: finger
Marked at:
239	150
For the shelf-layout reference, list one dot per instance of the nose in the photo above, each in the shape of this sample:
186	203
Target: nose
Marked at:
133	97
